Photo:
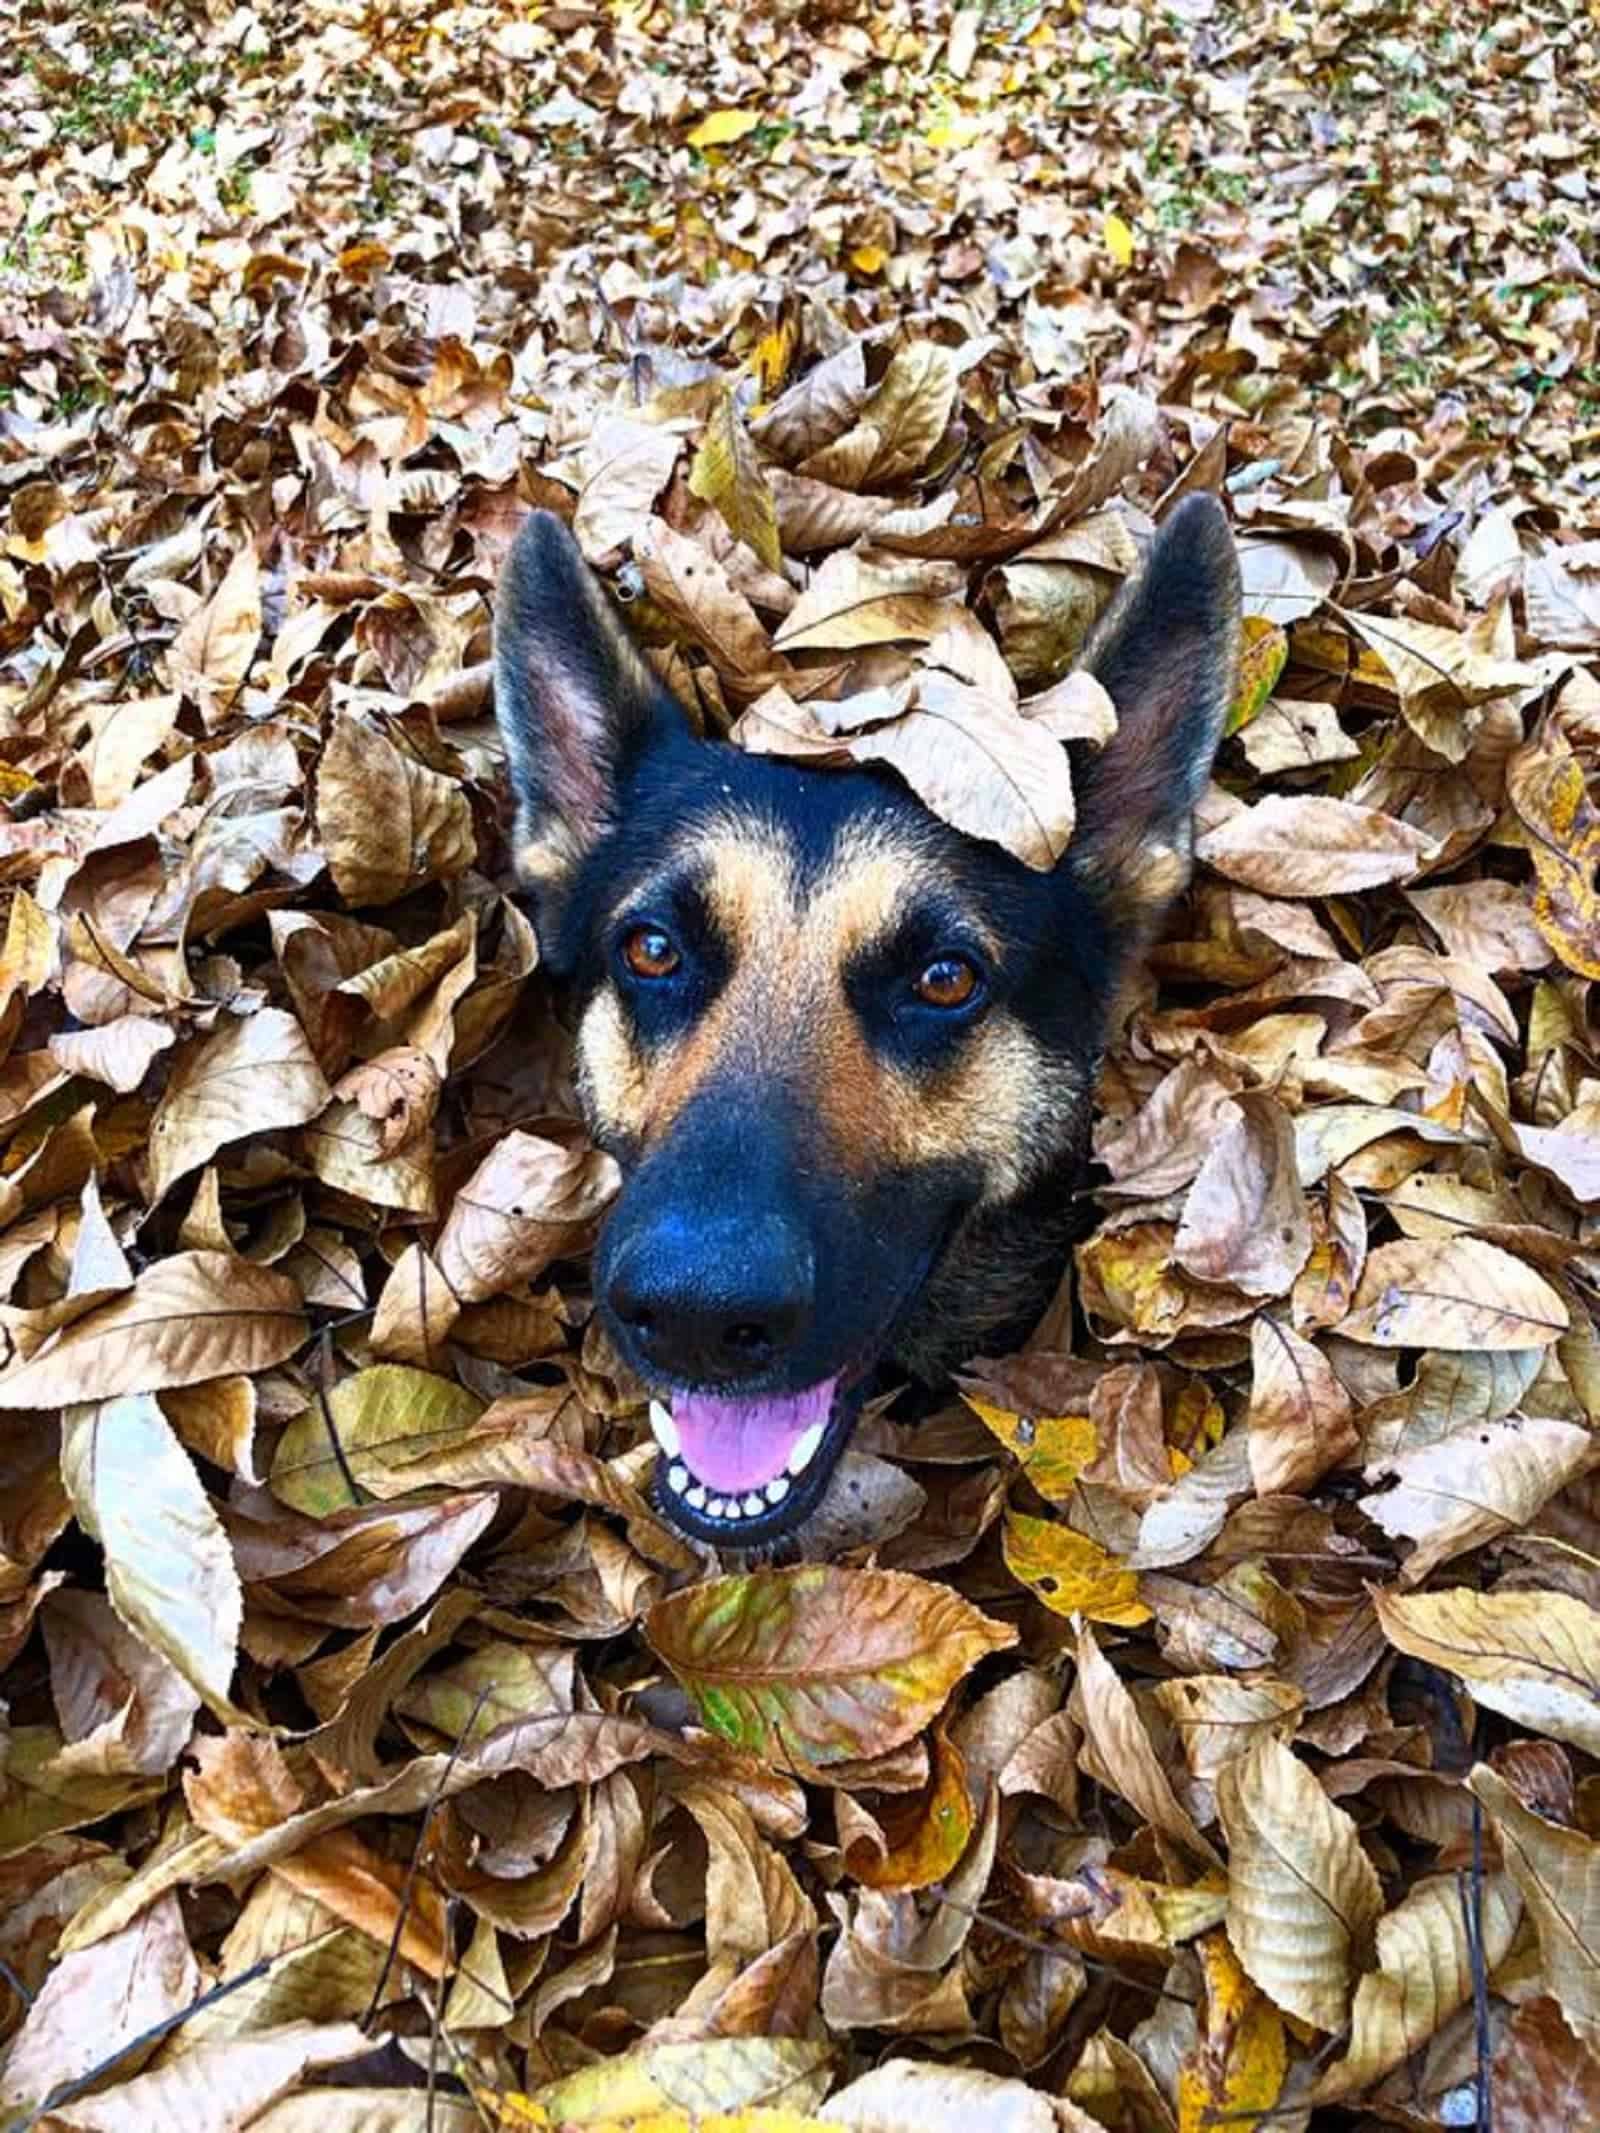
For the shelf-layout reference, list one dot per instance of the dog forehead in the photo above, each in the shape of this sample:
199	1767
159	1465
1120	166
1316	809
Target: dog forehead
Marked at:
766	882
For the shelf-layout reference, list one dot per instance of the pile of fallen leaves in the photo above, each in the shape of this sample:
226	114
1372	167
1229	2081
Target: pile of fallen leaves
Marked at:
1200	1724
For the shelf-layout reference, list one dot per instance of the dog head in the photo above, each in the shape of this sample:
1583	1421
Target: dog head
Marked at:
844	1055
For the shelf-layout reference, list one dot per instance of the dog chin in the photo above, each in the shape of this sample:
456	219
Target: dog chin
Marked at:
745	1475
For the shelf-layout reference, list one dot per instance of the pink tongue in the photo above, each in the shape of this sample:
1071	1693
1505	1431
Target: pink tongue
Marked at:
744	1444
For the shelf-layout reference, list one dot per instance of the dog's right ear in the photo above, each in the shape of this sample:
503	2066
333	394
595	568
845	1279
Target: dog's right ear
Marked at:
575	701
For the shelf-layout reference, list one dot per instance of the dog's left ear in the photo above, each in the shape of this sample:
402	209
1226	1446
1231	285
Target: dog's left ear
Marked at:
1167	653
576	703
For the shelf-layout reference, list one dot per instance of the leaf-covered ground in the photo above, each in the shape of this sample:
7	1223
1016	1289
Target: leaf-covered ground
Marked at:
1200	1724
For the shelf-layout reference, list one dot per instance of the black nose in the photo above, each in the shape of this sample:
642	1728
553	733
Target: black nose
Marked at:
712	1302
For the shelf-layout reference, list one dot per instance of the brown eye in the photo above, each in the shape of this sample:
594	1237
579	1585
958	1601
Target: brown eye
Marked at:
649	952
948	981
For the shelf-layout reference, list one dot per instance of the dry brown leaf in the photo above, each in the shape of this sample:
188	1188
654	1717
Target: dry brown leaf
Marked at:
1125	1758
1301	1420
1424	1973
387	821
1454	1292
626	465
100	2003
191	1316
1245	1220
1558	1872
1302	1894
1543	2075
530	1201
1535	1656
1313	846
211	654
254	1076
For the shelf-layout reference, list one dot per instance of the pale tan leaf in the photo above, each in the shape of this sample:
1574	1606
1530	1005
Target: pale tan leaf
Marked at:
415	1313
254	1076
1245	1220
170	1572
1487	923
1302	1894
191	1316
1535	1656
981	767
98	2003
1453	1292
1558	1871
1126	1759
118	1053
817	407
221	2086
1469	1488
1309	845
529	1201
211	654
345	1149
915	2096
626	465
1219	1718
1424	1974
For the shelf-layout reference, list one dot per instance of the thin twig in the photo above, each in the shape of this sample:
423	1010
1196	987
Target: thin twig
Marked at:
69	2091
1058	1949
1480	1975
10	1977
403	1910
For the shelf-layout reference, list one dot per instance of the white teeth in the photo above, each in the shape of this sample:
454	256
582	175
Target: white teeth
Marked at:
679	1478
777	1490
753	1507
718	1507
664	1429
805	1448
696	1498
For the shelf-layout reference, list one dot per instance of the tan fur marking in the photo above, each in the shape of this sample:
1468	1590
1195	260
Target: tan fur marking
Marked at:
784	1013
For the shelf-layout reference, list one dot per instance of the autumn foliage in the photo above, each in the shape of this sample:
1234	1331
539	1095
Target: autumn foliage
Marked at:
1198	1720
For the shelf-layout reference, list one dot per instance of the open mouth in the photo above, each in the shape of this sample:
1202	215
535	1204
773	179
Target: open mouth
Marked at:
737	1471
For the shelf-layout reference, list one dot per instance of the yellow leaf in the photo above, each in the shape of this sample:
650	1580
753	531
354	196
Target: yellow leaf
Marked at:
727	474
960	130
772	355
1237	2067
869	258
1263	654
718	128
1053	1449
1070	1573
1119	240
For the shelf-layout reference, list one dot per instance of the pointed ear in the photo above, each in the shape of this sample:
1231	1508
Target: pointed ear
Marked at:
1167	654
575	701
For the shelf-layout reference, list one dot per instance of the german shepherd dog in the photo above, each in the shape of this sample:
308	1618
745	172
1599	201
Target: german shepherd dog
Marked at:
844	1055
